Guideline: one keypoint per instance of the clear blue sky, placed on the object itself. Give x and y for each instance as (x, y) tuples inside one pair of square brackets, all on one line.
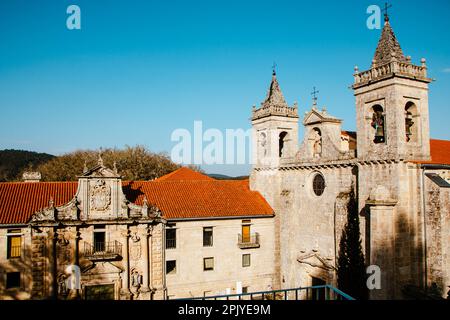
[(137, 70)]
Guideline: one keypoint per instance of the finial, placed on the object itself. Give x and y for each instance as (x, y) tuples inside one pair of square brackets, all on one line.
[(295, 105), (274, 71), (423, 61), (100, 160), (356, 69), (386, 7), (85, 168), (145, 201), (324, 109), (314, 96), (115, 167)]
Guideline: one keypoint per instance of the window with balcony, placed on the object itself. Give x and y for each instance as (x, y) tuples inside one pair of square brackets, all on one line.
[(14, 244), (171, 266), (12, 280), (208, 264), (207, 237), (99, 240), (171, 238), (245, 233), (100, 249), (246, 239)]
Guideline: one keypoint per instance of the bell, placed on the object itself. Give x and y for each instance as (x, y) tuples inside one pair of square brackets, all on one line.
[(380, 132), (408, 125)]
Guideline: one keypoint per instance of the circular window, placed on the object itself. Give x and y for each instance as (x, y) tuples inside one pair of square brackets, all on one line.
[(318, 185)]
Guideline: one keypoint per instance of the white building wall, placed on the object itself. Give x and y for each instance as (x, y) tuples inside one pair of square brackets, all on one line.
[(190, 280)]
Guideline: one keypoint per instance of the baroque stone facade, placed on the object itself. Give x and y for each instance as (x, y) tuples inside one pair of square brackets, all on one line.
[(111, 247)]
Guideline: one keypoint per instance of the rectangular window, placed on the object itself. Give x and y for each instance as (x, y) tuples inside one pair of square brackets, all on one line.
[(99, 241), (171, 267), (207, 237), (171, 238), (208, 264), (14, 244), (246, 260), (244, 289), (245, 233), (12, 280)]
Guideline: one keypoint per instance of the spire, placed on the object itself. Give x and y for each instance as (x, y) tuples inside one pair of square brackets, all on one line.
[(274, 95), (388, 48), (274, 103)]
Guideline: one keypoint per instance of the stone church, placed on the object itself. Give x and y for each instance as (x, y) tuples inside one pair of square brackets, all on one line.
[(399, 175)]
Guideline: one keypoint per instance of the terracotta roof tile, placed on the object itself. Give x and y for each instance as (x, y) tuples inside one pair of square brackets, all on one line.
[(440, 152), (183, 194), (199, 199), (19, 200), (184, 174)]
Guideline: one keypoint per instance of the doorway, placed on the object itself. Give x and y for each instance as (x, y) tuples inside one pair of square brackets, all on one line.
[(99, 292), (318, 293)]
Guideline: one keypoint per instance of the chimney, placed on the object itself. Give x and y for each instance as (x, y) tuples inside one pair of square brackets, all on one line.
[(30, 176)]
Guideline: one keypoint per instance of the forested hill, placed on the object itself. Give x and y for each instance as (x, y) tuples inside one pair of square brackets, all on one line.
[(14, 162)]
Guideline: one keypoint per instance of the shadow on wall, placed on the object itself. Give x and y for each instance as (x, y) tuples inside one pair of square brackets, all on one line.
[(16, 276), (405, 258)]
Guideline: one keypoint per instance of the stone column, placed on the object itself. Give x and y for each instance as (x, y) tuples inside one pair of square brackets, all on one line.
[(158, 263), (145, 291), (382, 241), (125, 293)]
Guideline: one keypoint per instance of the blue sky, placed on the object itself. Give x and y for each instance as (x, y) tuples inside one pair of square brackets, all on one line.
[(137, 70)]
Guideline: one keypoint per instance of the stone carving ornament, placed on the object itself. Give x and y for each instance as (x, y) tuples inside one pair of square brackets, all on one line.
[(100, 195)]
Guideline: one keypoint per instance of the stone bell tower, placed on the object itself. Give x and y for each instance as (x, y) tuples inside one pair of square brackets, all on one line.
[(275, 128), (392, 104)]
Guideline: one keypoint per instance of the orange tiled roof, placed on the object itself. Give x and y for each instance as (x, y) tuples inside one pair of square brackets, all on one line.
[(182, 194), (184, 174), (440, 152), (19, 200), (351, 134), (199, 199)]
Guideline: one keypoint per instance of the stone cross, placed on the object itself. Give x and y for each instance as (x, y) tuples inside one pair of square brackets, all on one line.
[(314, 95), (386, 7)]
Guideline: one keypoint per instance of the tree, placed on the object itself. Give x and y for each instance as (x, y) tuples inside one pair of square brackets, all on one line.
[(133, 163), (351, 266), (14, 162)]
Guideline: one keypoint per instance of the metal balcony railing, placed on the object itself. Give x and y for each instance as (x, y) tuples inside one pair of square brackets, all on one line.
[(103, 250), (249, 241), (322, 292)]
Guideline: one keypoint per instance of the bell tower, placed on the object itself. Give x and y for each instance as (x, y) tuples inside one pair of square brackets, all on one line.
[(275, 128), (392, 104)]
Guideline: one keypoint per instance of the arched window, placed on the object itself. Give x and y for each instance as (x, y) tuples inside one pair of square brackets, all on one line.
[(263, 143), (378, 123), (315, 141), (281, 141), (411, 122)]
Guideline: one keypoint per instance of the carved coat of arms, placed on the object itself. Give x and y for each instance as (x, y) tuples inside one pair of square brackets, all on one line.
[(100, 196)]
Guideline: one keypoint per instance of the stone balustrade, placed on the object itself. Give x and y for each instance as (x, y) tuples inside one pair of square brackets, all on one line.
[(265, 111), (393, 67)]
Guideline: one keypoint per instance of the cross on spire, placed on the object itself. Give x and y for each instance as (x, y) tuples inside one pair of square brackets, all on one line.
[(274, 66), (385, 9), (314, 95)]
